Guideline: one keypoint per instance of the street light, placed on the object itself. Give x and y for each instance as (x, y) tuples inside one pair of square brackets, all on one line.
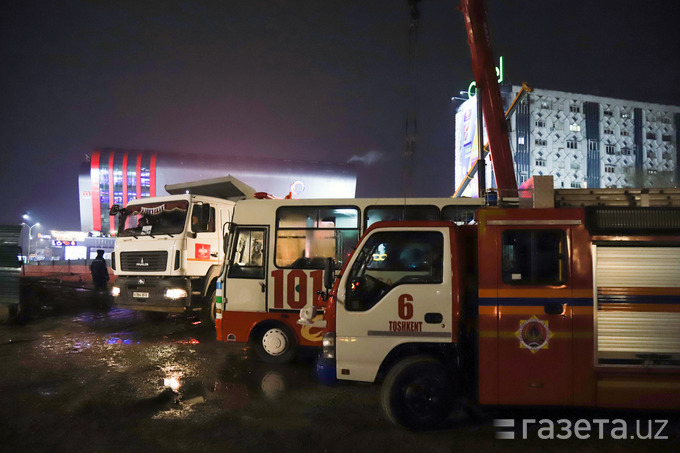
[(462, 93), (30, 232)]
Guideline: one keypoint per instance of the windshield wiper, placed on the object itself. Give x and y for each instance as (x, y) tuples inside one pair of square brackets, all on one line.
[(128, 232), (132, 232)]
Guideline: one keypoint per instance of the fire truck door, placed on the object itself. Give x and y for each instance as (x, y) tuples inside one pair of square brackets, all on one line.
[(245, 288), (395, 292), (534, 316)]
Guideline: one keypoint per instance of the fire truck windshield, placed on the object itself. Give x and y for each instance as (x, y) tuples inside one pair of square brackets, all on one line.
[(148, 219)]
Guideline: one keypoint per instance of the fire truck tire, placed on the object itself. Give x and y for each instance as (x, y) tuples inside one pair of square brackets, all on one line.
[(275, 344), (417, 393), (208, 310)]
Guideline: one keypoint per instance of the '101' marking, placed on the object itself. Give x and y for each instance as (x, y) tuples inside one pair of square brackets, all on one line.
[(296, 288)]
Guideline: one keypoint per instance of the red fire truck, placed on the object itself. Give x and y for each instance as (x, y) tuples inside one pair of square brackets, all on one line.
[(553, 306), (573, 301)]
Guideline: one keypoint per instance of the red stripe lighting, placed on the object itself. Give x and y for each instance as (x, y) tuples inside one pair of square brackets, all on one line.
[(139, 175), (111, 190), (94, 177), (152, 176), (125, 179)]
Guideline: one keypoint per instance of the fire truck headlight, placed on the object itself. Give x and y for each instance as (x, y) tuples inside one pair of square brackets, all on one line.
[(115, 291), (329, 345), (175, 293)]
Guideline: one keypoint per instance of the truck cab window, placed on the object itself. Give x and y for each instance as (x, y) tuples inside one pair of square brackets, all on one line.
[(202, 218), (391, 259), (534, 257)]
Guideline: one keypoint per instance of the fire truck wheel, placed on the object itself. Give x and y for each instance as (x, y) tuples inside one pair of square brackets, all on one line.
[(417, 393), (275, 344), (208, 310)]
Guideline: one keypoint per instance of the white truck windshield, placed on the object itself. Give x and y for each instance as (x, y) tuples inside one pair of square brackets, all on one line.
[(148, 219)]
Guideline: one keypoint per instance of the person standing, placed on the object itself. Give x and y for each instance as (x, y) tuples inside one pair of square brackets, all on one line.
[(100, 272)]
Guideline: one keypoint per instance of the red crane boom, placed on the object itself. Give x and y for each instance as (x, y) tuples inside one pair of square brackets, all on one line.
[(492, 106)]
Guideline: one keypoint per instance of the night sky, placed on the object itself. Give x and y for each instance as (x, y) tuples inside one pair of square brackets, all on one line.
[(311, 80)]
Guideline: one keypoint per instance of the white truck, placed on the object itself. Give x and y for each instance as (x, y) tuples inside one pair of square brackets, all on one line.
[(169, 249)]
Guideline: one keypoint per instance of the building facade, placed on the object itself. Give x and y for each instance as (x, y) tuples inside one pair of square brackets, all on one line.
[(117, 176), (587, 141)]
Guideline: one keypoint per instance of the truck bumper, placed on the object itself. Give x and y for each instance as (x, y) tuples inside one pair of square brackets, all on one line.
[(153, 294)]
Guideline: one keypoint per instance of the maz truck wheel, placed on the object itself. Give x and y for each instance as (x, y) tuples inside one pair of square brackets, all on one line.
[(418, 393), (276, 344), (208, 310)]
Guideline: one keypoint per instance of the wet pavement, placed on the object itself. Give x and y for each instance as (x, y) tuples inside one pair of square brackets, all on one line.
[(79, 379)]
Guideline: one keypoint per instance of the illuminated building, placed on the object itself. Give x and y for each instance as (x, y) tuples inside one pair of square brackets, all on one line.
[(117, 176), (583, 141)]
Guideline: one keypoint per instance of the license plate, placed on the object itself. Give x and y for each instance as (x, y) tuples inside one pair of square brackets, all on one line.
[(141, 295)]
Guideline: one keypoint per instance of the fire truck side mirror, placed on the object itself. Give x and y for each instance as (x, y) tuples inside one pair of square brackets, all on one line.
[(329, 273), (115, 209)]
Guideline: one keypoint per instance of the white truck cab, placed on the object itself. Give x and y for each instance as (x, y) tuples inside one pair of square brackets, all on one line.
[(169, 250)]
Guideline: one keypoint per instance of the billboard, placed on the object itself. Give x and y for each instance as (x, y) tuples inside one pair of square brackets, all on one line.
[(467, 147)]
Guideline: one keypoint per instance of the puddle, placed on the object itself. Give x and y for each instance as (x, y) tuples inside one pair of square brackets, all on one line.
[(235, 396), (172, 382), (79, 347), (189, 341), (273, 385), (118, 340)]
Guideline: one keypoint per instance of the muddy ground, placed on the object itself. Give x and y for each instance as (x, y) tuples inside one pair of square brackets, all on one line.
[(77, 379)]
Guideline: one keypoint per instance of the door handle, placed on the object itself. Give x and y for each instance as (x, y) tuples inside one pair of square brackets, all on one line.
[(263, 287), (433, 318), (553, 309)]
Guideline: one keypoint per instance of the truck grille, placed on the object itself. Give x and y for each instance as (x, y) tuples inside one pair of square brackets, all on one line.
[(143, 261)]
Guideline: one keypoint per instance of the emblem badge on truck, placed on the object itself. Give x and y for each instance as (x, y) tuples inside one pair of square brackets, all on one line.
[(533, 334), (142, 263)]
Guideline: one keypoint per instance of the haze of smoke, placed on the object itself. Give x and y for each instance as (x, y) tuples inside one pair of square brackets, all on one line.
[(367, 159)]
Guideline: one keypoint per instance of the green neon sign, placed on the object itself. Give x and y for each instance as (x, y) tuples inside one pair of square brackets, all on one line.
[(473, 84)]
